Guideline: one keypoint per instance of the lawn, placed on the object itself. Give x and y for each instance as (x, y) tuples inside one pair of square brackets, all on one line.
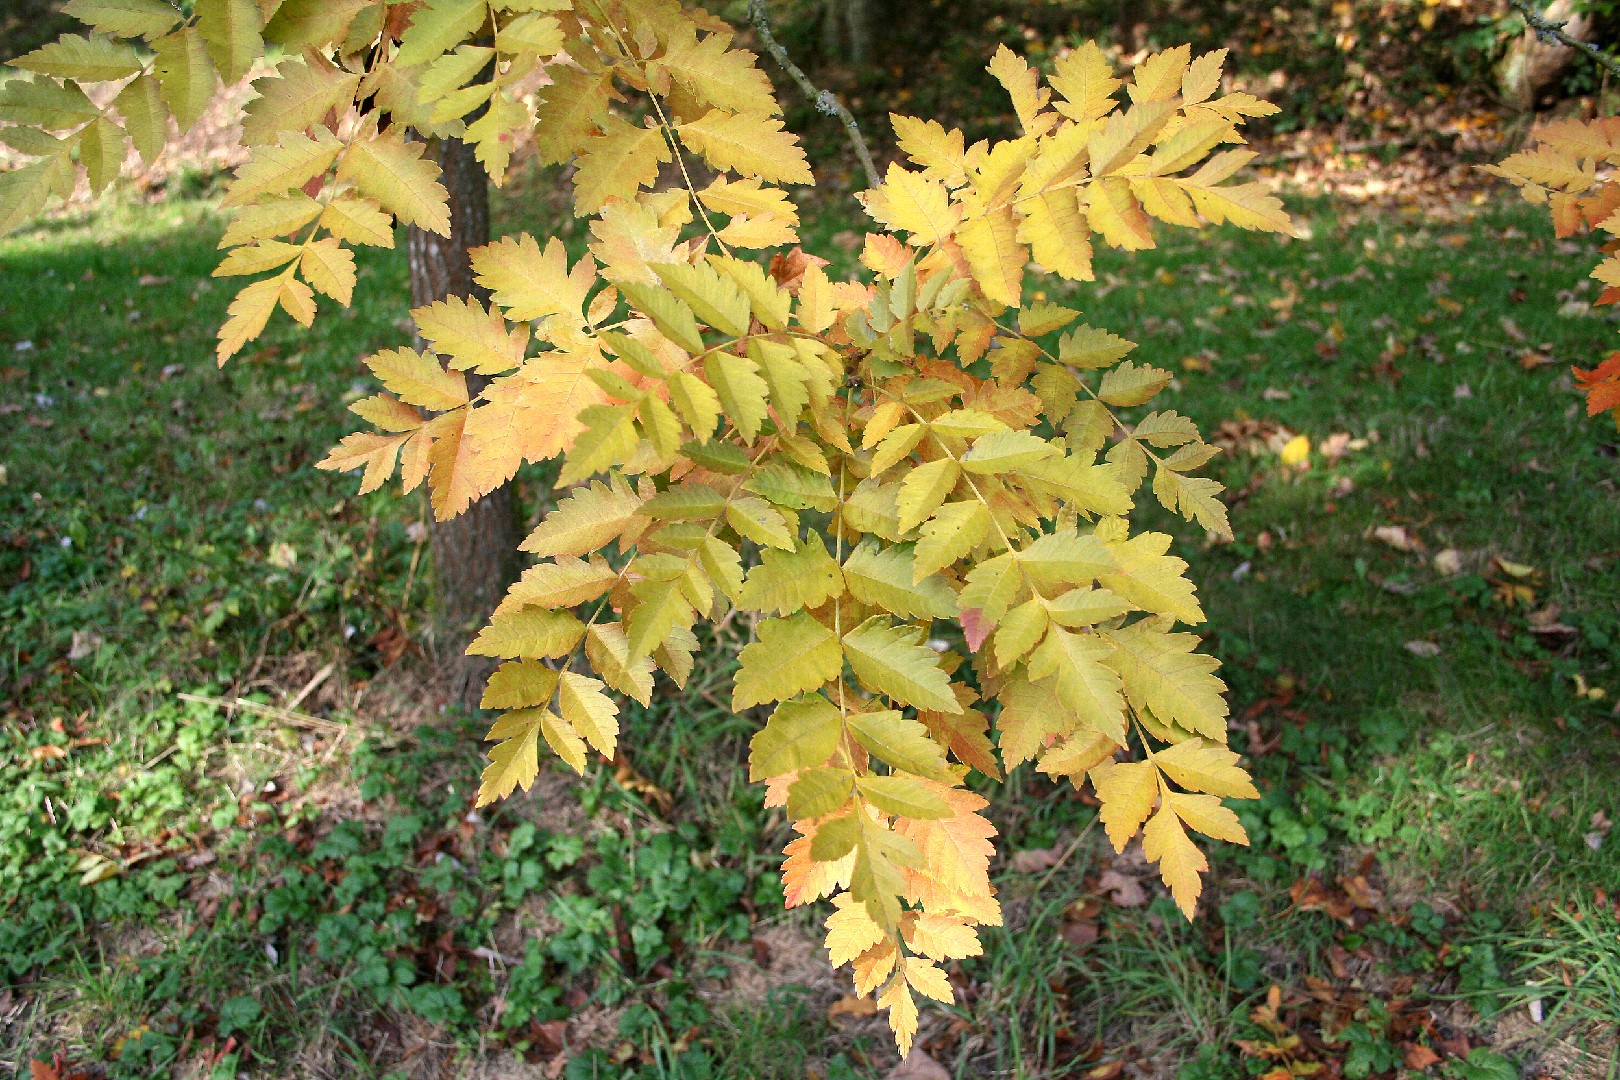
[(237, 834)]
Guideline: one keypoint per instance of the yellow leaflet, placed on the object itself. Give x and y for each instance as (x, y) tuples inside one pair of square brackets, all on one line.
[(146, 118), (274, 170), (519, 684), (564, 583), (752, 144), (617, 163), (394, 172), (1023, 86), (532, 633), (376, 453), (475, 338), (125, 18), (297, 96), (716, 75), (533, 284), (995, 255), (914, 203), (939, 151), (589, 711), (329, 266), (892, 660), (355, 219), (84, 58), (609, 653), (514, 761), (1127, 791), (1165, 842), (1088, 688), (418, 378)]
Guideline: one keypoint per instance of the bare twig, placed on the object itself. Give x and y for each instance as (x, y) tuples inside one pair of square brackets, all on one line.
[(825, 101), (1553, 33), (310, 687), (286, 716)]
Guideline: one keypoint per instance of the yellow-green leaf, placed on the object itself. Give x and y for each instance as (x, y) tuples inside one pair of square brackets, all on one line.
[(187, 75), (1164, 673), (290, 163), (792, 656), (515, 760), (394, 172), (329, 266), (609, 653), (892, 660), (818, 792), (752, 144), (589, 711), (1151, 579), (1129, 384), (233, 31), (955, 530), (788, 581), (743, 393), (296, 97), (529, 633), (899, 742), (884, 576), (439, 26), (519, 684), (924, 489), (534, 284), (587, 520), (1088, 688), (125, 18), (474, 337), (903, 796), (418, 378), (82, 57), (355, 219), (800, 734), (618, 163)]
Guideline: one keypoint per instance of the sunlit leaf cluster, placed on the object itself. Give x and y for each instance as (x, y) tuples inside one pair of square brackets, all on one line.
[(1570, 170), (914, 485)]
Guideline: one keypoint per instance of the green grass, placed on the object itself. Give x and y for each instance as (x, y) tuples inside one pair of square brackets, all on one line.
[(303, 893)]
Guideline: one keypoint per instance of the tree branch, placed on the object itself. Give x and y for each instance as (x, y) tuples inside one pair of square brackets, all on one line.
[(1553, 33), (825, 101)]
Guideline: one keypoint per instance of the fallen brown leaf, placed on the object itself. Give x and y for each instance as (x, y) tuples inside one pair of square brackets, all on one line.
[(1034, 860), (1419, 1057), (919, 1066), (850, 1005), (1123, 890)]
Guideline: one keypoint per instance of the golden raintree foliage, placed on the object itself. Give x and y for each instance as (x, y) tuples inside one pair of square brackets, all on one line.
[(1570, 171), (857, 467)]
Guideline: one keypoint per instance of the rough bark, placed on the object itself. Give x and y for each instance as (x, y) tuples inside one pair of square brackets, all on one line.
[(475, 555)]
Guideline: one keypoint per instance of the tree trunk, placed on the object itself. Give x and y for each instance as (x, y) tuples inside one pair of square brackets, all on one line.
[(475, 556)]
